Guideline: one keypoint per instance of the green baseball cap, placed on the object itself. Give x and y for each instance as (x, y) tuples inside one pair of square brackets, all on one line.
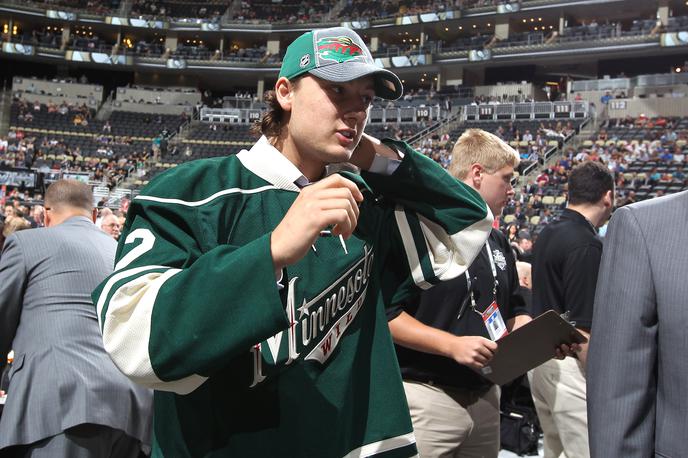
[(338, 54)]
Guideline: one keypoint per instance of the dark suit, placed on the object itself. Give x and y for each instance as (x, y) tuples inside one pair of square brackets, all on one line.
[(61, 376), (637, 365)]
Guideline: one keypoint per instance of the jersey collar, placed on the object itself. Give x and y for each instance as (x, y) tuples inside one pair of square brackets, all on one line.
[(267, 162)]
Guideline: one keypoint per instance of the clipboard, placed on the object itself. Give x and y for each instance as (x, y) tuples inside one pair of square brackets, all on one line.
[(529, 346)]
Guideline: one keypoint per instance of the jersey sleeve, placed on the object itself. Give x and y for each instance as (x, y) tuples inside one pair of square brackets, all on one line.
[(173, 293), (437, 224)]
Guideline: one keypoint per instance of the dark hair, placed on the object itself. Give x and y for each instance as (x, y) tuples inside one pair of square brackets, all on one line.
[(272, 121), (69, 193), (589, 182)]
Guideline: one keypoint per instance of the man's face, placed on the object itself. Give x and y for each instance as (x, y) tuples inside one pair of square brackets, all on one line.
[(111, 226), (327, 119), (496, 188), (9, 211), (525, 244)]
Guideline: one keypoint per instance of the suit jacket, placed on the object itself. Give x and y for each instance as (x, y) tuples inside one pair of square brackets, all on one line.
[(61, 375), (637, 366)]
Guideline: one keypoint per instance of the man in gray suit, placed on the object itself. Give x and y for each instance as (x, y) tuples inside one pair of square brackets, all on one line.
[(65, 398), (637, 367)]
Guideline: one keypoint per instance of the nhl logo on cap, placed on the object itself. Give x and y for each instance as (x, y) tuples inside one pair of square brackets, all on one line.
[(305, 61)]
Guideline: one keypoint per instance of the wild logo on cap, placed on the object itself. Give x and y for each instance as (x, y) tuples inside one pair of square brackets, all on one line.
[(339, 55), (339, 49)]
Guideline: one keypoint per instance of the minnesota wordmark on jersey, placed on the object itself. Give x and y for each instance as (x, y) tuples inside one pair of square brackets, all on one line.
[(317, 325)]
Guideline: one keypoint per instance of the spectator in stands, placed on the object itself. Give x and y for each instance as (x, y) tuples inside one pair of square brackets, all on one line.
[(606, 98), (110, 224), (566, 260), (537, 203), (9, 211), (441, 334), (226, 241), (519, 214), (14, 224), (512, 233), (524, 246), (65, 397), (38, 216), (546, 217)]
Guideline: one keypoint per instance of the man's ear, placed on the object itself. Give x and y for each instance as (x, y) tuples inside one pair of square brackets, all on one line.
[(609, 199), (94, 214), (284, 90), (475, 173)]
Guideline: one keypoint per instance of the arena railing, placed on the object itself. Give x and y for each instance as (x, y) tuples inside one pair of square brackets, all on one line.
[(533, 110), (378, 115)]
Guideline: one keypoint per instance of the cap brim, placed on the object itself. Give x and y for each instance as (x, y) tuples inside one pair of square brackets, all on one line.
[(387, 85)]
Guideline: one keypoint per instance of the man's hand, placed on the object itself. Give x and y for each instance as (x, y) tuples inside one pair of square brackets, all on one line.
[(563, 350), (472, 351), (367, 149), (331, 202)]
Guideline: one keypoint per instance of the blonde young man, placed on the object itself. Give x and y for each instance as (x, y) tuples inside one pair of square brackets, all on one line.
[(249, 290), (447, 331)]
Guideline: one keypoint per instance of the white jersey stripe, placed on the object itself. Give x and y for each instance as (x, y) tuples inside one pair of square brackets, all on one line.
[(410, 248), (382, 446), (127, 329), (450, 254), (198, 203)]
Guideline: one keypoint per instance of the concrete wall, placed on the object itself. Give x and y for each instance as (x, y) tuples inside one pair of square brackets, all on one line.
[(58, 88), (167, 96), (653, 106)]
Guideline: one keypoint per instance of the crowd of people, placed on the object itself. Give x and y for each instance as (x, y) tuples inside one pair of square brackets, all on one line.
[(518, 243), (24, 209)]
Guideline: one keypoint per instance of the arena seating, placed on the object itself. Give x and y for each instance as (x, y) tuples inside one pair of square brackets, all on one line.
[(179, 9), (286, 11)]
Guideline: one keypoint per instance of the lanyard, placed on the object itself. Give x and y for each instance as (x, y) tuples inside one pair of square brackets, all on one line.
[(469, 283)]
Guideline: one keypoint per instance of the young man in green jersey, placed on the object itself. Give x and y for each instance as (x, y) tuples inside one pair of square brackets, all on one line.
[(249, 290)]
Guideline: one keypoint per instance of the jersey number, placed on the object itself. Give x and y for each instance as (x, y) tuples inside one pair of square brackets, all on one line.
[(147, 240)]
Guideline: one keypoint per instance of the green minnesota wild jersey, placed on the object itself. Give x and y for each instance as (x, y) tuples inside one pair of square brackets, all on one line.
[(246, 367)]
